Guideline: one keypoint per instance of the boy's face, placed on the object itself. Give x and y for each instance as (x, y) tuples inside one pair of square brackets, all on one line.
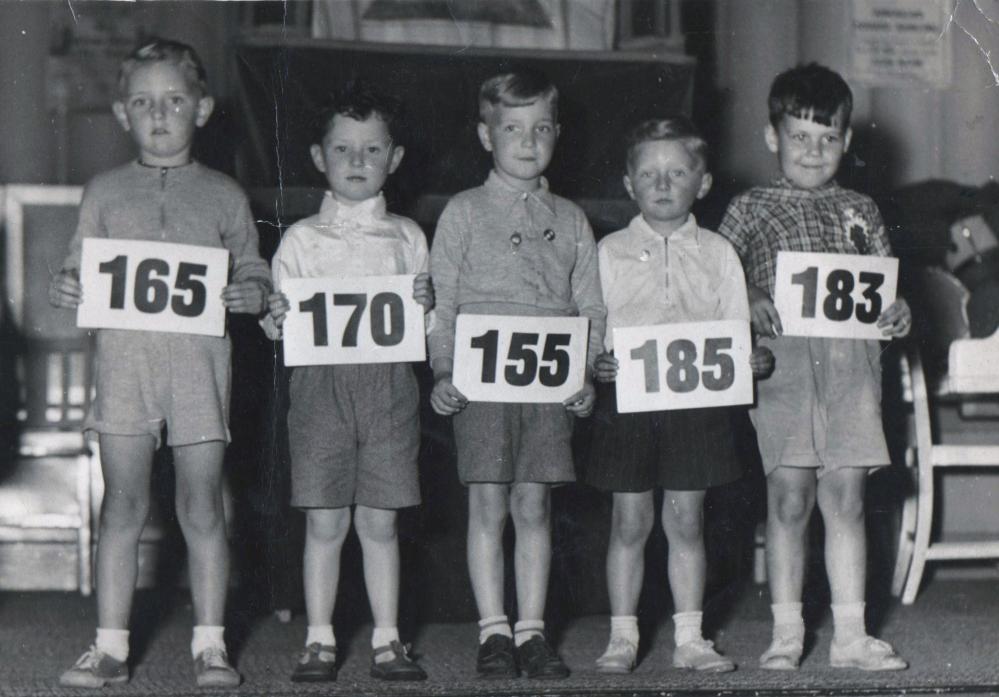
[(665, 178), (161, 109), (356, 157), (809, 152), (522, 140)]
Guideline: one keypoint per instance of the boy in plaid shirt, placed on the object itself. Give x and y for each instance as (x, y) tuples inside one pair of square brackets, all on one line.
[(818, 417)]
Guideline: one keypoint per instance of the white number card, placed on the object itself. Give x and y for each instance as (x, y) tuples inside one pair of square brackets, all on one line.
[(366, 319), (834, 295), (152, 286), (519, 359), (687, 365)]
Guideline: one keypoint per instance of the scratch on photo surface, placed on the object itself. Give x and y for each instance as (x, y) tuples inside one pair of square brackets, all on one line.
[(986, 52), (72, 11)]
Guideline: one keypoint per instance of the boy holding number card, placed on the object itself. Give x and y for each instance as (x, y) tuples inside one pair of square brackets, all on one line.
[(148, 380), (818, 417), (511, 247), (354, 430), (662, 269)]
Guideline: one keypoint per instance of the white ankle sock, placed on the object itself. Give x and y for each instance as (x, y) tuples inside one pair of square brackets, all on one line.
[(497, 624), (687, 627), (525, 629), (788, 622), (113, 642), (848, 622), (320, 634), (624, 626), (206, 636), (383, 636)]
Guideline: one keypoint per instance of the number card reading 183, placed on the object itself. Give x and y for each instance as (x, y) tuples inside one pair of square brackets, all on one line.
[(365, 319), (519, 359), (152, 286), (834, 295), (687, 365)]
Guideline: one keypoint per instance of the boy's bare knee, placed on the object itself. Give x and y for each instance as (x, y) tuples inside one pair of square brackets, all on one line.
[(793, 508), (682, 525), (631, 527), (531, 511), (327, 526), (842, 506), (200, 514), (487, 510), (124, 511), (378, 527)]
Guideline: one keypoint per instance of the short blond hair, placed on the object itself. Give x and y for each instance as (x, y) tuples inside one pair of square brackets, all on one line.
[(517, 88), (165, 51)]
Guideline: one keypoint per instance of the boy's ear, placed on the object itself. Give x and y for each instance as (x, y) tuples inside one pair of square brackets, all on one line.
[(629, 187), (847, 137), (397, 154), (706, 181), (484, 138), (118, 108), (206, 105), (770, 136), (318, 160)]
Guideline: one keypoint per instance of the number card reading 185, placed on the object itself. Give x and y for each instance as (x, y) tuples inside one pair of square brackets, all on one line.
[(365, 319), (152, 286), (834, 295), (519, 359), (687, 365)]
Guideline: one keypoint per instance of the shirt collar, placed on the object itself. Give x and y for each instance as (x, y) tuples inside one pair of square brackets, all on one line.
[(499, 188), (782, 182), (367, 211), (686, 233)]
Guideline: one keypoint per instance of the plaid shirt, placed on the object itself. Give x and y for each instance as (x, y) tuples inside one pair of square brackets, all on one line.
[(767, 219)]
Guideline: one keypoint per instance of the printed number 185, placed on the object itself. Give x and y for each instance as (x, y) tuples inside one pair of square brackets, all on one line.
[(683, 374)]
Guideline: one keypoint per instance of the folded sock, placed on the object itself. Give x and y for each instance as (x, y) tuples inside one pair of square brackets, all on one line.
[(207, 636), (625, 626), (113, 642), (687, 627), (497, 624), (383, 636), (848, 622), (525, 629), (320, 634), (788, 622)]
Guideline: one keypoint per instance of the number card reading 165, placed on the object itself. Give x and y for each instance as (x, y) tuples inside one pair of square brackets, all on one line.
[(687, 365), (834, 295), (519, 359), (152, 286), (365, 319)]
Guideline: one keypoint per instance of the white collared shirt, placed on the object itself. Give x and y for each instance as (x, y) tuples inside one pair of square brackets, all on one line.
[(693, 275)]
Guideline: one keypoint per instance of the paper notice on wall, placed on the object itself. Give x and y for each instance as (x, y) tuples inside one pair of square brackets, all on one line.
[(897, 43)]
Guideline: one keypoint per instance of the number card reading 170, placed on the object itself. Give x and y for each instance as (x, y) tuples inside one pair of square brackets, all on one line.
[(687, 365), (834, 295), (152, 286), (519, 359), (365, 319)]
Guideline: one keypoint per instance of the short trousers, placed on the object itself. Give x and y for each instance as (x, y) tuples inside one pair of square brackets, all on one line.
[(821, 407), (680, 450), (514, 443), (148, 380), (354, 433)]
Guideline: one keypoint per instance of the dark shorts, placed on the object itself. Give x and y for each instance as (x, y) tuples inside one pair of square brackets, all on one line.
[(683, 450), (354, 434), (514, 443)]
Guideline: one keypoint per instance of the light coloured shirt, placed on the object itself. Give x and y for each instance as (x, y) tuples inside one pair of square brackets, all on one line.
[(691, 276), (498, 250), (348, 241)]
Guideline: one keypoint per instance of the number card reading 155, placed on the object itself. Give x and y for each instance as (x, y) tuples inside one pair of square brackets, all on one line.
[(687, 365), (834, 295), (152, 286), (519, 359), (365, 319)]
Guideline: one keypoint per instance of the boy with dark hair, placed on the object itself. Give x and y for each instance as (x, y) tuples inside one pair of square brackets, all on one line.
[(818, 417), (511, 247), (147, 380), (354, 430)]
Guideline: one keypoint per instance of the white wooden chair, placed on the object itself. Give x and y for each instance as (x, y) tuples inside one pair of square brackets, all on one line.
[(972, 370)]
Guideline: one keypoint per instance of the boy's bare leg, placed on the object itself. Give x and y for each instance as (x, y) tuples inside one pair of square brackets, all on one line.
[(790, 500), (376, 527), (202, 520), (841, 501), (325, 531), (530, 508), (488, 508), (631, 523), (683, 523), (127, 463)]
